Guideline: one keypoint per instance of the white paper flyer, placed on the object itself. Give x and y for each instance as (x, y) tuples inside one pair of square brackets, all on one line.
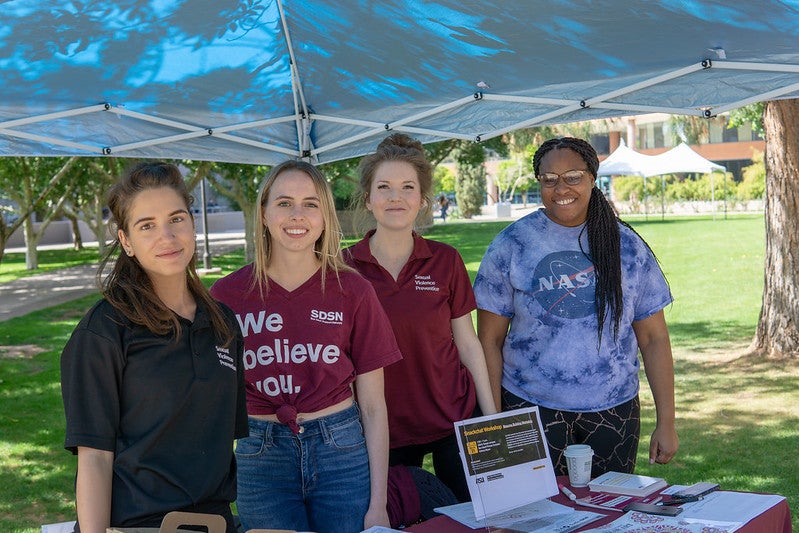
[(506, 461)]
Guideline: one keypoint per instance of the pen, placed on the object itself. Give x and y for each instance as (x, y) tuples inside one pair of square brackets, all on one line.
[(680, 501), (572, 496)]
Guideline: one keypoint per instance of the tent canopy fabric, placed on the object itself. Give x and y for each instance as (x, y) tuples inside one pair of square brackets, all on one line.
[(682, 158), (624, 161), (260, 81)]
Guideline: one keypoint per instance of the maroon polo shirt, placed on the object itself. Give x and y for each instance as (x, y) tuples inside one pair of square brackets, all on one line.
[(430, 388)]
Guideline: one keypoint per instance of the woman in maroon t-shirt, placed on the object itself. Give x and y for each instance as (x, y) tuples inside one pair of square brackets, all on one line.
[(314, 332), (427, 294)]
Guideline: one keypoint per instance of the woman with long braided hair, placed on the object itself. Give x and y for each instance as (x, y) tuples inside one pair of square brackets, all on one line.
[(566, 297)]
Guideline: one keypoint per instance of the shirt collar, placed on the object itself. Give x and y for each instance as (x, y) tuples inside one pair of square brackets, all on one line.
[(361, 252)]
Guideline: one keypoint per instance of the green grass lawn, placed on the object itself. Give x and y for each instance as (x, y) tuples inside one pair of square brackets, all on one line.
[(737, 417), (13, 265)]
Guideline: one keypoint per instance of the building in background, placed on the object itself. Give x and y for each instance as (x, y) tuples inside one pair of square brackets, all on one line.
[(654, 134)]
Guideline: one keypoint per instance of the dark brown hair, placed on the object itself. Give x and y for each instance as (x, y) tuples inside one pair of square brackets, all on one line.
[(128, 287)]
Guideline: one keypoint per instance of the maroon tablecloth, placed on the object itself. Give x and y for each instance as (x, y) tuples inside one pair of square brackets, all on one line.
[(777, 519)]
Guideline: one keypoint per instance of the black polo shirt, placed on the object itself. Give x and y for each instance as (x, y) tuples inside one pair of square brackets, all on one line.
[(169, 411)]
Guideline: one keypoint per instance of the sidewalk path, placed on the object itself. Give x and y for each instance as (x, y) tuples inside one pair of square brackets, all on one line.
[(32, 293)]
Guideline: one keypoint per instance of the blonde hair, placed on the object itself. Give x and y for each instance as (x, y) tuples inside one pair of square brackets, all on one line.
[(327, 246)]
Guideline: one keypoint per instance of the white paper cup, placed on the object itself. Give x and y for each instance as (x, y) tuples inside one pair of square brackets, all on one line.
[(579, 458)]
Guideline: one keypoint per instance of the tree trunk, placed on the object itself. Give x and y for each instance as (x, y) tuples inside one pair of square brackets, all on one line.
[(31, 242), (77, 240), (777, 333), (248, 210)]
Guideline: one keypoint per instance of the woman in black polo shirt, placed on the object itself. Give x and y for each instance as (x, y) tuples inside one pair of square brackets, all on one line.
[(152, 378)]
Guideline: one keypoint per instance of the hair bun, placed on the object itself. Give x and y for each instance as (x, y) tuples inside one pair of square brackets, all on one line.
[(400, 140)]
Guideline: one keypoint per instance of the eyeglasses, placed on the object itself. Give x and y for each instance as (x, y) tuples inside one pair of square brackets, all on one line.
[(571, 177)]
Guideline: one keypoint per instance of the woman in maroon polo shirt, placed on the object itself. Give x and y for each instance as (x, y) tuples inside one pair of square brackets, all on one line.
[(427, 294)]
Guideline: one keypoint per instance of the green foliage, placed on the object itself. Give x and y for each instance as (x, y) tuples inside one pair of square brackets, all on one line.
[(343, 179), (701, 188), (753, 184), (750, 114), (514, 175), (443, 179), (689, 129), (628, 188), (470, 184), (345, 189)]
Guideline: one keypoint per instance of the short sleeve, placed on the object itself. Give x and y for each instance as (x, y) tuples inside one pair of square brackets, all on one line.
[(91, 374), (462, 300), (492, 285)]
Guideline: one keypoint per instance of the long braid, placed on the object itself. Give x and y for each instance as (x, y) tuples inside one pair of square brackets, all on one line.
[(604, 250), (604, 240)]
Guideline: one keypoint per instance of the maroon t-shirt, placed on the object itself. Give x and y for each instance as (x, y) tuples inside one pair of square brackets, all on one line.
[(430, 388), (304, 348)]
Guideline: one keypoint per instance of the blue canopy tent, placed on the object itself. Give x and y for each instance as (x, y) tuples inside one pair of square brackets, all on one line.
[(265, 80)]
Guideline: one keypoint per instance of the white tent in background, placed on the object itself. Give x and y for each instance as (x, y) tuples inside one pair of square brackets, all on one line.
[(682, 158), (624, 161)]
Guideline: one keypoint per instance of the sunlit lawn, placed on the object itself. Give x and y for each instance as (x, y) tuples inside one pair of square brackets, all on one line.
[(737, 417)]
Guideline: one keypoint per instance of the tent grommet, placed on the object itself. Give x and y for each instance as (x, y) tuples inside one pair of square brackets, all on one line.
[(106, 150)]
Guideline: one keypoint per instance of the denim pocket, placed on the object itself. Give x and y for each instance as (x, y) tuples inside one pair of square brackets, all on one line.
[(253, 445), (346, 435)]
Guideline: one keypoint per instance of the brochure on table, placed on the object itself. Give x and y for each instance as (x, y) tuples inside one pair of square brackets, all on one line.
[(720, 511), (506, 460), (544, 516)]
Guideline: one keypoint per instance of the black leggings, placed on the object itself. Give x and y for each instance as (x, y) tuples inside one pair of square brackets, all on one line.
[(446, 462), (612, 434)]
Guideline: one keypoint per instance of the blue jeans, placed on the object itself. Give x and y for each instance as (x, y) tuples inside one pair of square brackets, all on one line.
[(317, 480)]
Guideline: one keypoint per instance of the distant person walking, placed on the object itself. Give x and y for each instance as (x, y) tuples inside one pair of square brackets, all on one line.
[(443, 203)]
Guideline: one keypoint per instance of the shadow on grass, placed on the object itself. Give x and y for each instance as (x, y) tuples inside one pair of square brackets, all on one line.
[(37, 473), (730, 448), (709, 335)]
